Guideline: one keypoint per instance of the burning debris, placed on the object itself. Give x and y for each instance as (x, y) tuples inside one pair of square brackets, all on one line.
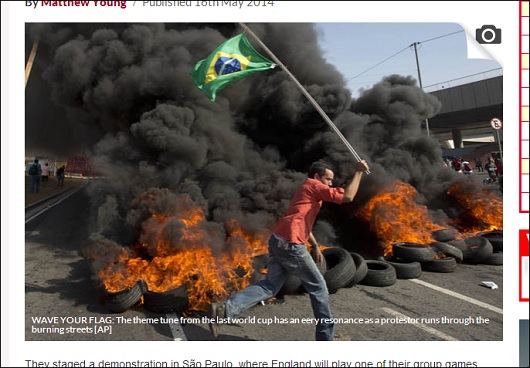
[(191, 188), (175, 248), (480, 210), (395, 216)]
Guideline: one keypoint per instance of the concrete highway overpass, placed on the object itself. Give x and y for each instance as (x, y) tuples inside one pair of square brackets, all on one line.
[(467, 111)]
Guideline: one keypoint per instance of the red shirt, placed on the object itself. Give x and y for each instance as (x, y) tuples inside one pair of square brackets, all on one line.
[(296, 224)]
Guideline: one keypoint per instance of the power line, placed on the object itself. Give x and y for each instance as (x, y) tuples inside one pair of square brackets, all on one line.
[(435, 38), (399, 52), (466, 76), (388, 58)]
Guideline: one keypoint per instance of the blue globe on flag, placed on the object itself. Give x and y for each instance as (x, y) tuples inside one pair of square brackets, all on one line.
[(231, 61), (225, 65)]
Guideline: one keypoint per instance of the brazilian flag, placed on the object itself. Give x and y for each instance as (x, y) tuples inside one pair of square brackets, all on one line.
[(233, 60)]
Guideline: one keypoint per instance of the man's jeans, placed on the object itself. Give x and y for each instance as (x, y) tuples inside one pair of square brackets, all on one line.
[(285, 258), (34, 183)]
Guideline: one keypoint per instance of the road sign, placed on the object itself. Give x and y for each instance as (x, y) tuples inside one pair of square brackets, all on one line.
[(496, 123)]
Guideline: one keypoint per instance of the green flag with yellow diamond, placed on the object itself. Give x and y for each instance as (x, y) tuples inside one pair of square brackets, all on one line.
[(233, 60)]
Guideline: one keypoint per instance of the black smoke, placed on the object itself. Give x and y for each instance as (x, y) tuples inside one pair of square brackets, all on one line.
[(122, 94)]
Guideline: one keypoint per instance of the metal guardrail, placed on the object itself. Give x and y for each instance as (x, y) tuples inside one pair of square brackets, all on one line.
[(36, 209)]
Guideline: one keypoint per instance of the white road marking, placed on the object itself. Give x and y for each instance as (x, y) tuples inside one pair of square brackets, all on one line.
[(421, 326), (459, 296), (64, 195), (176, 328)]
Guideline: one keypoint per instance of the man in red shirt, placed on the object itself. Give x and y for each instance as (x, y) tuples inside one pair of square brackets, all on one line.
[(288, 252)]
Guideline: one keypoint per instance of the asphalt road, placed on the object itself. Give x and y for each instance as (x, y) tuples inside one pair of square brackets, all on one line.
[(63, 302)]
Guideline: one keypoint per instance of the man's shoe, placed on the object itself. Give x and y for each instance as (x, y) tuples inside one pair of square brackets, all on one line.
[(215, 311), (341, 337)]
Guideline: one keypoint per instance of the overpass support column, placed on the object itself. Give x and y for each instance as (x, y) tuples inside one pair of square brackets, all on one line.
[(457, 138)]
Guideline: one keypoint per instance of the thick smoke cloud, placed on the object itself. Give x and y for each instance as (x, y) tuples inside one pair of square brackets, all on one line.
[(122, 94)]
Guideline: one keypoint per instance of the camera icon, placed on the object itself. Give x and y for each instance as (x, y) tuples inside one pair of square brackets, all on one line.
[(488, 34)]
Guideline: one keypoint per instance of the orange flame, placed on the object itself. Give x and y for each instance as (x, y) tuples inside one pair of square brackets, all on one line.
[(394, 216), (483, 210), (207, 275)]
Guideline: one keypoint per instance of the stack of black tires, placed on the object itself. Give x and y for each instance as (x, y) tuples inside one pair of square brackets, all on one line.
[(175, 300), (409, 259), (342, 268)]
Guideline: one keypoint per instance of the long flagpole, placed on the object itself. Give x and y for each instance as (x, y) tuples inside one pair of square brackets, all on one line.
[(31, 58), (307, 94)]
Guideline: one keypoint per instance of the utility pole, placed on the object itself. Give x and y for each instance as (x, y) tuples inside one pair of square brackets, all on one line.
[(415, 44)]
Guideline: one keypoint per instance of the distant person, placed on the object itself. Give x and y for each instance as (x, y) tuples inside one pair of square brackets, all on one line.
[(466, 168), (456, 164), (60, 176), (45, 173), (34, 172), (498, 165), (499, 172), (453, 163), (478, 165), (491, 169)]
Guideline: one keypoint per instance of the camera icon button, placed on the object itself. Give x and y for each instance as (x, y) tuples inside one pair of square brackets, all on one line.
[(488, 34)]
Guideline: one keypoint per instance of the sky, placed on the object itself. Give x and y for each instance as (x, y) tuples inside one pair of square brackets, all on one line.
[(366, 52)]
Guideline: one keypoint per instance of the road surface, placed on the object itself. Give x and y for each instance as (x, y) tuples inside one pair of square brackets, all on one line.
[(64, 302)]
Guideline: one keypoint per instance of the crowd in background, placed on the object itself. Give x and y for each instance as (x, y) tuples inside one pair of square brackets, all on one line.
[(493, 167), (40, 174)]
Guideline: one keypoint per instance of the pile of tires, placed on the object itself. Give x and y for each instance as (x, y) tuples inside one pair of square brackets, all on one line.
[(171, 301), (435, 257), (410, 251), (347, 269), (447, 252), (413, 258), (175, 300), (444, 235), (342, 268), (479, 250), (496, 239), (380, 273), (339, 268), (118, 302), (361, 269), (405, 269), (483, 248)]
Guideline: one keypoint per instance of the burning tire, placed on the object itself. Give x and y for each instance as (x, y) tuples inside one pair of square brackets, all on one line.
[(460, 244), (122, 300), (379, 274), (448, 250), (478, 249), (443, 265), (175, 300), (361, 269), (404, 269), (495, 259), (413, 252), (444, 235), (340, 269), (495, 238)]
